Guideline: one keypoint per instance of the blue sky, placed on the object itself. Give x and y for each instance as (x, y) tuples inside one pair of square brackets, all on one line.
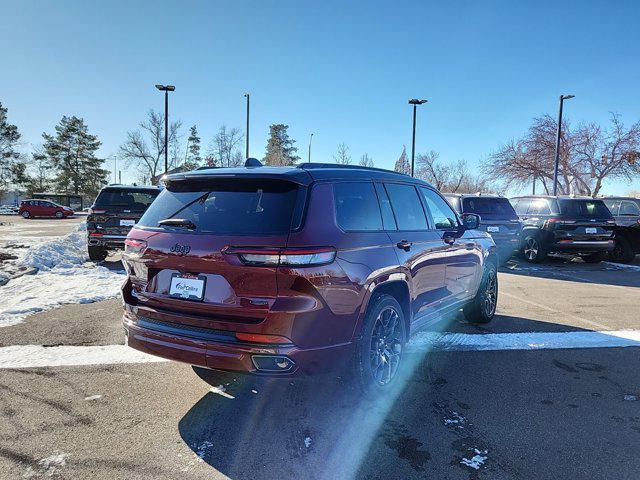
[(340, 69)]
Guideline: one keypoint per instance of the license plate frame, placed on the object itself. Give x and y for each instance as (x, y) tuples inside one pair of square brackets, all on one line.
[(190, 283)]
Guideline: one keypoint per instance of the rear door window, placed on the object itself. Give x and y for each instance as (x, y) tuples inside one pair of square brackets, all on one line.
[(388, 220), (407, 208), (357, 206), (613, 206), (630, 209), (229, 207), (442, 215), (521, 205)]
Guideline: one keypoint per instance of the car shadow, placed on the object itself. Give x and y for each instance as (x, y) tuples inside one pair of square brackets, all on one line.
[(114, 263), (557, 268), (323, 427)]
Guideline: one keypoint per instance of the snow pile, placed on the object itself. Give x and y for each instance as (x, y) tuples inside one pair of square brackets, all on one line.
[(63, 276), (477, 460), (48, 467)]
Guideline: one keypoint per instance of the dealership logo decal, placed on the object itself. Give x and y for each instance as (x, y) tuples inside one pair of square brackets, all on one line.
[(180, 249)]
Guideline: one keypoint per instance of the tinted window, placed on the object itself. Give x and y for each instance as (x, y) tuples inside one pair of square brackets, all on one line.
[(227, 207), (388, 220), (629, 208), (521, 205), (539, 206), (131, 199), (357, 206), (612, 205), (442, 215), (406, 207), (488, 207), (583, 208)]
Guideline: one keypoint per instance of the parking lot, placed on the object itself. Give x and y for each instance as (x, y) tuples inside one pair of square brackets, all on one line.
[(552, 398)]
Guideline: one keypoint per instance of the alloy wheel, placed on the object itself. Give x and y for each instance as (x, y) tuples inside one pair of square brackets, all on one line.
[(490, 295), (531, 248), (386, 346)]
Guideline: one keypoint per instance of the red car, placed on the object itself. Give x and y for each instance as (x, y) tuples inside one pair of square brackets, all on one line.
[(43, 208), (296, 270)]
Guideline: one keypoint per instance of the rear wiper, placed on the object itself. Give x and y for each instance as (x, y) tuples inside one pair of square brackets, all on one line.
[(178, 223)]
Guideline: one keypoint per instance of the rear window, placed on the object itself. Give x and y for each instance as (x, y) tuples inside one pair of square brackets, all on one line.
[(131, 199), (584, 208), (489, 207), (227, 207)]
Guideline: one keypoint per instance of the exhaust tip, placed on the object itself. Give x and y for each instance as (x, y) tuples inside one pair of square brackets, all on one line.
[(272, 363)]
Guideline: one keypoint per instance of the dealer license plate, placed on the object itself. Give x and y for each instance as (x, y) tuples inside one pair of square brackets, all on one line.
[(591, 230), (493, 229), (127, 223), (188, 287)]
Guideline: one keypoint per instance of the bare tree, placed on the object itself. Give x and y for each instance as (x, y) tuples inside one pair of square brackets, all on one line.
[(144, 148), (451, 178), (366, 160), (588, 156), (342, 156), (224, 149)]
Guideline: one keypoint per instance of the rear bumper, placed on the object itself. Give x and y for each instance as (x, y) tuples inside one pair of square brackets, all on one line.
[(228, 354), (107, 241), (583, 246)]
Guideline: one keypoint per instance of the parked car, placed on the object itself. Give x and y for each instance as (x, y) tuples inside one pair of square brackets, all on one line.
[(9, 209), (626, 212), (43, 208), (116, 209), (296, 270), (497, 218), (577, 226)]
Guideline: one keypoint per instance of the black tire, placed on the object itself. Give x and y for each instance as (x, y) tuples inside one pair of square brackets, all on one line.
[(533, 249), (379, 348), (482, 308), (26, 214), (97, 254), (593, 258), (59, 215), (623, 251)]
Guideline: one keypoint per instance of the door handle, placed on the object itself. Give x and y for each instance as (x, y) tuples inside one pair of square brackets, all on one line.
[(404, 245)]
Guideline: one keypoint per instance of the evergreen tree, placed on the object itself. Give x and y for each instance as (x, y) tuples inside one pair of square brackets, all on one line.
[(71, 151), (402, 164), (9, 156), (280, 148), (193, 159)]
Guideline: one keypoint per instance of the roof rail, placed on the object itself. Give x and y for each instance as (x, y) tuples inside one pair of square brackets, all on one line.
[(313, 166)]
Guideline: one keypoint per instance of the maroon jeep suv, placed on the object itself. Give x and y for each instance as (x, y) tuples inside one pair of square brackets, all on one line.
[(296, 270)]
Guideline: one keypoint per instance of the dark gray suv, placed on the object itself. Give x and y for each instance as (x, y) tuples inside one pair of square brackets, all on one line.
[(626, 212)]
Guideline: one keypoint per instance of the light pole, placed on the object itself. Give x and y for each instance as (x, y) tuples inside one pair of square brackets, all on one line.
[(166, 89), (415, 102), (557, 162), (309, 157), (247, 139)]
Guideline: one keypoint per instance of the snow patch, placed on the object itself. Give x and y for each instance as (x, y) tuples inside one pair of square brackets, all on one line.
[(455, 420), (34, 356), (93, 397), (64, 276), (477, 460), (307, 442), (622, 266), (630, 398), (201, 449), (452, 342), (47, 467), (222, 391)]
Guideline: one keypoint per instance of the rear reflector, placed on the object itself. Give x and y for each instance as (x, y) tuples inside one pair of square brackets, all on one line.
[(285, 257), (96, 234), (260, 338)]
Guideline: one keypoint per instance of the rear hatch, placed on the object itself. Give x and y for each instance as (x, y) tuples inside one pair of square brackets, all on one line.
[(117, 209), (182, 256), (498, 218), (583, 220)]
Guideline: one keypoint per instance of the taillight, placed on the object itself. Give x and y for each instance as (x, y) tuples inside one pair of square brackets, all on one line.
[(134, 247), (93, 211), (553, 221), (284, 257)]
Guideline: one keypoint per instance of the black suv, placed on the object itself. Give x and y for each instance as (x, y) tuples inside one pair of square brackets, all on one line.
[(497, 218), (579, 226), (116, 209), (626, 211)]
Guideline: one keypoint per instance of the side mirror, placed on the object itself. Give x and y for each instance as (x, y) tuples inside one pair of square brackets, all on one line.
[(470, 221)]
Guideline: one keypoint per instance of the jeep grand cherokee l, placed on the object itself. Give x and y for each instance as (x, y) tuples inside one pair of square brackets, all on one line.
[(116, 209), (626, 212), (564, 225), (296, 270), (497, 218)]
